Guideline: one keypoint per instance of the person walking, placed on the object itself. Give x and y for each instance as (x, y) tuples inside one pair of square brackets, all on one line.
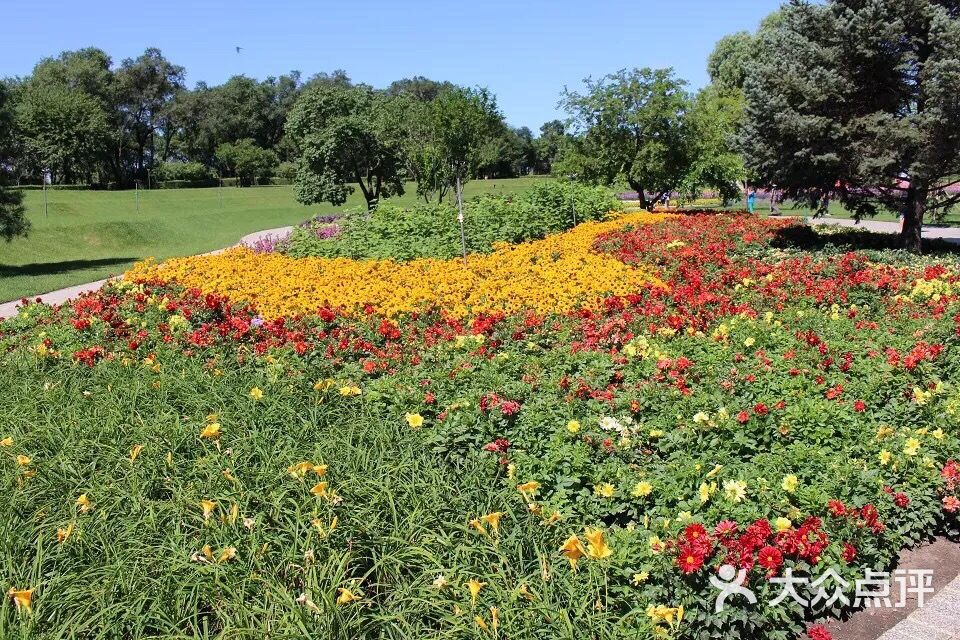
[(751, 200)]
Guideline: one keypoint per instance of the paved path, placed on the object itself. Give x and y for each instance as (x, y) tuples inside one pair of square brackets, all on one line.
[(951, 234), (8, 309)]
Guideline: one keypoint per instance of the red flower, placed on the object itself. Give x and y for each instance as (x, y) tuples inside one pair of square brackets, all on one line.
[(901, 499), (849, 552), (819, 632), (690, 559), (859, 406), (951, 504), (837, 508), (770, 558), (760, 409), (725, 528), (742, 417)]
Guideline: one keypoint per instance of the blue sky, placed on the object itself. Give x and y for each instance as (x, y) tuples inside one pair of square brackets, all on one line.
[(524, 51)]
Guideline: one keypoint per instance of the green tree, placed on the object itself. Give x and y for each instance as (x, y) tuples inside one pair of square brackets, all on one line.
[(464, 120), (857, 100), (245, 160), (631, 126), (715, 160), (729, 61), (61, 130), (346, 135), (146, 88), (553, 135), (13, 221)]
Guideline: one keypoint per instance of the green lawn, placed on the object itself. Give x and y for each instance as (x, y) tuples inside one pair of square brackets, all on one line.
[(89, 235)]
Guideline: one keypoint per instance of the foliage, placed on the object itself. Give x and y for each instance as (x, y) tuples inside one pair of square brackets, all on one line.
[(463, 121), (346, 135), (188, 171), (431, 231), (13, 222), (714, 120), (857, 101), (62, 131), (633, 126), (544, 474), (246, 160)]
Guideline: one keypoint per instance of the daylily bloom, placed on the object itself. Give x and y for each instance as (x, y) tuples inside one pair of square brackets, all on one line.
[(63, 534), (256, 393), (227, 554), (23, 460), (474, 586), (211, 431), (6, 442), (208, 506), (83, 502), (440, 581), (135, 452), (350, 391), (414, 420), (597, 547), (321, 489), (347, 596), (493, 519), (23, 599), (528, 488), (573, 550)]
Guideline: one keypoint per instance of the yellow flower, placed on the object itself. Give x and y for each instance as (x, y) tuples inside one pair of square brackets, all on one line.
[(783, 524), (256, 393), (415, 420), (572, 550), (324, 530), (440, 582), (749, 342), (350, 391), (706, 491), (673, 616), (528, 488), (597, 547), (642, 489), (208, 506), (790, 483), (6, 442), (480, 622), (493, 519), (22, 599), (735, 490), (347, 596), (227, 554), (323, 385), (937, 433), (211, 431), (655, 544), (83, 503), (604, 490), (135, 452), (494, 618), (63, 534), (573, 426), (920, 396), (883, 431), (911, 447), (23, 460), (885, 457), (525, 592), (474, 587), (321, 489), (640, 578), (717, 468)]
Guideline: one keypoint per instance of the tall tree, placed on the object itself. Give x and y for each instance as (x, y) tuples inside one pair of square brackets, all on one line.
[(346, 135), (632, 127), (464, 120), (63, 131), (146, 87), (13, 220), (857, 100), (552, 137)]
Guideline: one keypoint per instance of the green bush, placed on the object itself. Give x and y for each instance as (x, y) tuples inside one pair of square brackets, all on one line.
[(181, 172), (432, 230)]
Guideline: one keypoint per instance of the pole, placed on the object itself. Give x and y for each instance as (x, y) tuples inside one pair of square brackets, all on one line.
[(46, 210), (573, 207), (463, 236)]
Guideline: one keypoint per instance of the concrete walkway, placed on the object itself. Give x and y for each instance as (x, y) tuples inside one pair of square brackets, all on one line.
[(9, 309), (951, 234)]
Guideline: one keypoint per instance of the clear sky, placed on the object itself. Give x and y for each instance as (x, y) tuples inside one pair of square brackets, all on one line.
[(525, 51)]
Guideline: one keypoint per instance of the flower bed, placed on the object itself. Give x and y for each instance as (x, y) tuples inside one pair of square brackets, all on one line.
[(424, 468)]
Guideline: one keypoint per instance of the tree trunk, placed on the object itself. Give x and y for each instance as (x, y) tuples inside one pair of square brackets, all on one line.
[(913, 210), (641, 196)]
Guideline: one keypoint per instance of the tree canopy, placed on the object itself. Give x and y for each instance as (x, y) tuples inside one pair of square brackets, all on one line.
[(858, 101), (346, 136), (13, 221)]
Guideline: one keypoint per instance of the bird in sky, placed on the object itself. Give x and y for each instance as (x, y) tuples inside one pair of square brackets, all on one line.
[(239, 49)]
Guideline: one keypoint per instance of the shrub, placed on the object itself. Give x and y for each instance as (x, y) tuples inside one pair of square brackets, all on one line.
[(432, 230), (181, 171)]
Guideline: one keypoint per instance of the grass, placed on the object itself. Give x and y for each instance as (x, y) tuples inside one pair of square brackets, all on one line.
[(89, 235)]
